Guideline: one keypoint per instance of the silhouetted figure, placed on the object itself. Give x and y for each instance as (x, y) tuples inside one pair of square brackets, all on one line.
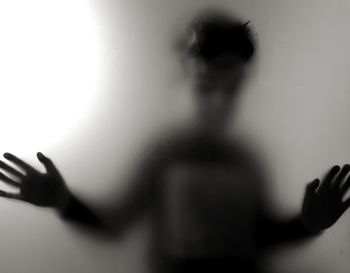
[(204, 190)]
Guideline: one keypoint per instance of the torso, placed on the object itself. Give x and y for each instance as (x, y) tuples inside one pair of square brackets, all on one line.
[(208, 201)]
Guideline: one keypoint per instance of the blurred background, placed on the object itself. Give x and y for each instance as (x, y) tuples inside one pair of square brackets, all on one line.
[(90, 83)]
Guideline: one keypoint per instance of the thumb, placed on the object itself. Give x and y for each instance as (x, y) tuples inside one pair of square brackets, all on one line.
[(312, 186), (47, 162)]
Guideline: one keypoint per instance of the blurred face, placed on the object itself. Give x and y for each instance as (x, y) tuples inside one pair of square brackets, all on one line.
[(216, 82)]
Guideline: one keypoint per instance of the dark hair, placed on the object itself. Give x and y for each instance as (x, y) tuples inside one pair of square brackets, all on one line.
[(217, 34)]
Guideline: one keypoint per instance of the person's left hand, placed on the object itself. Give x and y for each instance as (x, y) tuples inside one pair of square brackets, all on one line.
[(324, 201)]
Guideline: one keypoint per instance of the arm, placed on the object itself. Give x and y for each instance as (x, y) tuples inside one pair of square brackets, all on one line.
[(271, 231), (50, 190), (323, 205), (74, 210)]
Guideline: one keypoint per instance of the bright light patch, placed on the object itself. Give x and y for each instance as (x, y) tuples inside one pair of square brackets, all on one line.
[(50, 59)]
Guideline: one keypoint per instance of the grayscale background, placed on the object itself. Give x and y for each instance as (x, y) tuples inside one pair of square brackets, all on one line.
[(294, 111)]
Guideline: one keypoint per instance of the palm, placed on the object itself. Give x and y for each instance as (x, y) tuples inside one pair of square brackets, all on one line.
[(42, 189), (324, 202)]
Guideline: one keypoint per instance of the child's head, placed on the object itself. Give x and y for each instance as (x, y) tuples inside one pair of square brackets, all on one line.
[(218, 51), (213, 35)]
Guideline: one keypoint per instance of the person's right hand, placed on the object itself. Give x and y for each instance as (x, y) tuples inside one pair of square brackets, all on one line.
[(42, 189), (326, 201)]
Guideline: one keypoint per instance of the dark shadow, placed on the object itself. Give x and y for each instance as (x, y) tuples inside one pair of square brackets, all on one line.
[(204, 191)]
